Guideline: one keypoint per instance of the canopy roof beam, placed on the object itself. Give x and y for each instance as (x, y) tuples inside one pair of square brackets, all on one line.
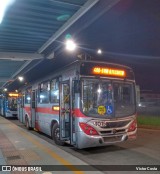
[(87, 6), (4, 79), (20, 56)]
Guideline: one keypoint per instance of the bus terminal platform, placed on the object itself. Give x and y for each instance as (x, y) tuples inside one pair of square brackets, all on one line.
[(19, 148)]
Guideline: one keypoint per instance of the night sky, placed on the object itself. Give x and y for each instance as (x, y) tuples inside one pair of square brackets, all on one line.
[(128, 34)]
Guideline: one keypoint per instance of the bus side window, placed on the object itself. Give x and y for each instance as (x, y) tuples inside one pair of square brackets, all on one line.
[(27, 97), (54, 91), (44, 92)]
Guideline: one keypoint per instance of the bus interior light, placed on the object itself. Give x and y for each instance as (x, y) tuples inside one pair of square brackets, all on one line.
[(99, 90)]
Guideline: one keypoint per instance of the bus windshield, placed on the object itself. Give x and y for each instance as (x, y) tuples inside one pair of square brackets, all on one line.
[(12, 103), (107, 98)]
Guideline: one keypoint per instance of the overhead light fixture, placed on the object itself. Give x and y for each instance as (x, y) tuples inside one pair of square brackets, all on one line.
[(99, 51), (20, 78), (70, 45), (3, 7), (5, 89)]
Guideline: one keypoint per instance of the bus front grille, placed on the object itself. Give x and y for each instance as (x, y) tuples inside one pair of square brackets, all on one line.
[(112, 139), (117, 124), (111, 131)]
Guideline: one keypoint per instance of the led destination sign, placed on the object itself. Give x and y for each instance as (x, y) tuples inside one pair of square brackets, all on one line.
[(13, 95), (108, 71)]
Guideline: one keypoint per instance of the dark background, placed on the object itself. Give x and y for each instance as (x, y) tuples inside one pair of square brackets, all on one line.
[(129, 34)]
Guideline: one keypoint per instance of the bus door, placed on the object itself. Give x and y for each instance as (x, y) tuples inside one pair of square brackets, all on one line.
[(33, 108), (65, 111), (4, 107), (1, 106)]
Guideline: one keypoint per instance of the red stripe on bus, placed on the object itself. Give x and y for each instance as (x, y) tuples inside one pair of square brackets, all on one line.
[(46, 110), (28, 110), (42, 110), (78, 113)]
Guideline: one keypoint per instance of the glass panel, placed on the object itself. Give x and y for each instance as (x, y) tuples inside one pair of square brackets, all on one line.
[(44, 92), (106, 98), (97, 98), (28, 96), (124, 100), (12, 103), (54, 91)]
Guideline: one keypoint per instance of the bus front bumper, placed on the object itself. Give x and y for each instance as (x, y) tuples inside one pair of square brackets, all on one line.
[(85, 141), (11, 114)]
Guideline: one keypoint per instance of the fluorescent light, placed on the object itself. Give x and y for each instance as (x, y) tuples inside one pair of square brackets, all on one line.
[(3, 7)]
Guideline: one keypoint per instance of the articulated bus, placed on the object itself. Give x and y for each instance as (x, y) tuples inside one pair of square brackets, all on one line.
[(8, 104), (86, 104)]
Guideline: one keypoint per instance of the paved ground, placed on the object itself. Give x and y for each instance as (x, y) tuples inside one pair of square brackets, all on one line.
[(144, 151), (20, 147)]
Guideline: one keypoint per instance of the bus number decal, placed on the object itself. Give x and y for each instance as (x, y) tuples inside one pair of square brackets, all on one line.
[(100, 123)]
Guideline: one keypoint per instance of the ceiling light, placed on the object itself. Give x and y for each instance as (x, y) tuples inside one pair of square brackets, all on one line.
[(5, 89), (3, 7), (70, 45), (20, 78), (99, 51)]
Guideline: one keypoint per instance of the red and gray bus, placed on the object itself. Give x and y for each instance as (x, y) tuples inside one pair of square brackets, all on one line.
[(86, 104)]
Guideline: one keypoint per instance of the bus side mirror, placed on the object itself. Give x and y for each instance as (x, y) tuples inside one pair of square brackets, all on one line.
[(76, 86)]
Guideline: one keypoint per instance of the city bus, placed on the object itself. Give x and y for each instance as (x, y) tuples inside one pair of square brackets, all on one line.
[(85, 104), (8, 104)]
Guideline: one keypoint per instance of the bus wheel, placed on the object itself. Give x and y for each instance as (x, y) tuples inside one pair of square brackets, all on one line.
[(55, 135), (27, 124)]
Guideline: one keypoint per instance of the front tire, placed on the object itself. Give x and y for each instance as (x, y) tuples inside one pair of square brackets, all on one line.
[(27, 124), (56, 135)]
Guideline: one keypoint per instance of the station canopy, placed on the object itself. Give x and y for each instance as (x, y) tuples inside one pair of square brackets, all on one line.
[(32, 34), (29, 29)]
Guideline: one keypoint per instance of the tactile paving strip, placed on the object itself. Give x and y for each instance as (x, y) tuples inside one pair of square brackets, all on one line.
[(11, 153), (12, 156), (30, 155), (6, 149)]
